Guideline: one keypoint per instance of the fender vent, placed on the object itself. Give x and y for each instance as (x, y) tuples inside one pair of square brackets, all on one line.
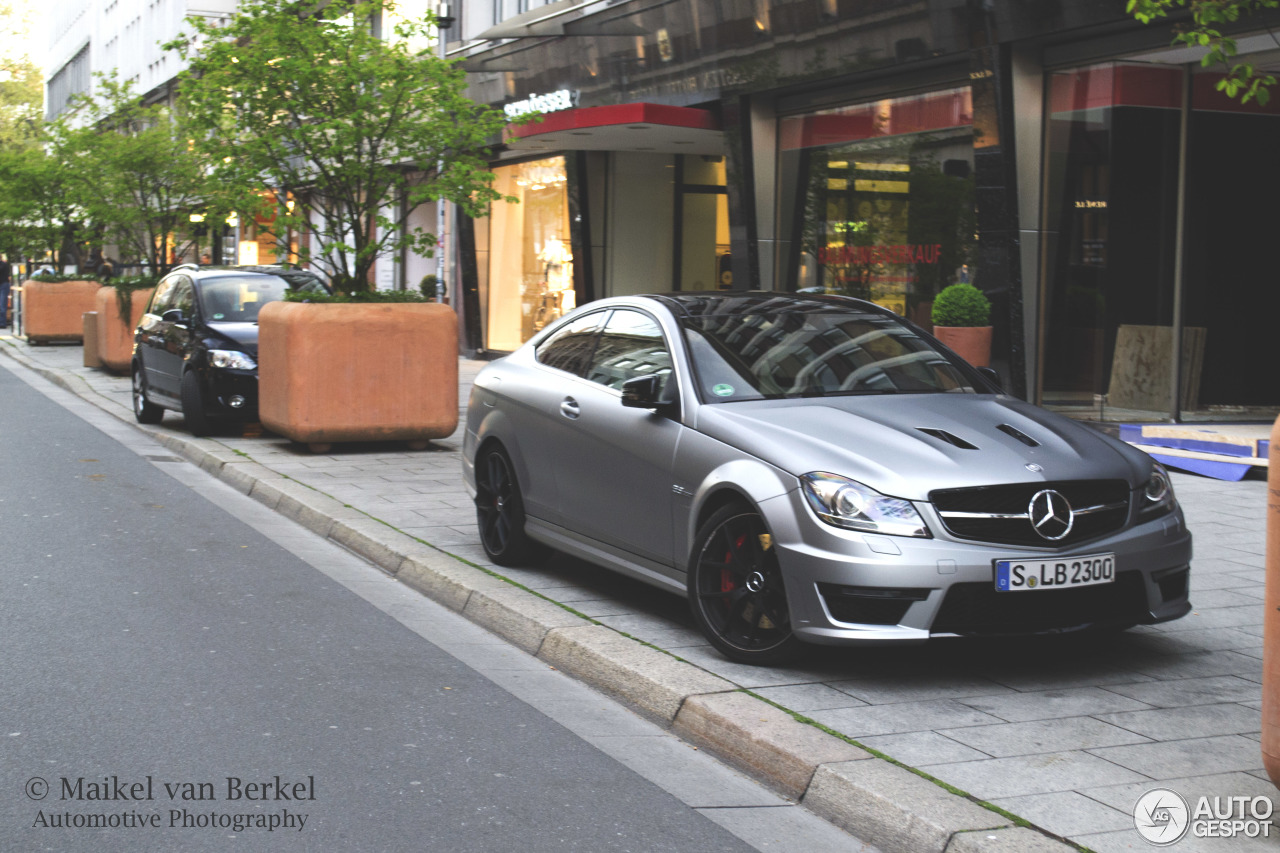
[(1018, 434), (943, 435)]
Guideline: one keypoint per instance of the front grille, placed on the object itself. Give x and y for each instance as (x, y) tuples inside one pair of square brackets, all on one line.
[(1107, 502), (976, 608)]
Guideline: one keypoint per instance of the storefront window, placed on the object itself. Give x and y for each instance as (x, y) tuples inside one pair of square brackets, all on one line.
[(703, 225), (530, 275), (1110, 232), (1229, 287), (878, 200)]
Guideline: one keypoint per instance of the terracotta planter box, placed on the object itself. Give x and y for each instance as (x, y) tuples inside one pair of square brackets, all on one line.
[(115, 332), (358, 372), (54, 310), (972, 343)]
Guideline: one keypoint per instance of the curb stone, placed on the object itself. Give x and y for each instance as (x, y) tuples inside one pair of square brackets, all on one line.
[(519, 616), (642, 676), (1015, 840), (893, 808), (764, 740), (445, 580), (873, 799)]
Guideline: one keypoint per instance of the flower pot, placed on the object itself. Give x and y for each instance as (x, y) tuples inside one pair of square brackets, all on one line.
[(115, 331), (972, 343), (54, 310), (335, 372)]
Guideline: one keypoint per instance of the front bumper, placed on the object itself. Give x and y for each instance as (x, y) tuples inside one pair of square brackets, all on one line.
[(849, 587), (221, 386)]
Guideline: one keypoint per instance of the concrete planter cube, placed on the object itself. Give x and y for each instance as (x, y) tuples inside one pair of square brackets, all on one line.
[(115, 331), (54, 310), (336, 372)]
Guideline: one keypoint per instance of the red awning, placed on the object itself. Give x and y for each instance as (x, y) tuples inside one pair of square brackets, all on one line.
[(622, 127)]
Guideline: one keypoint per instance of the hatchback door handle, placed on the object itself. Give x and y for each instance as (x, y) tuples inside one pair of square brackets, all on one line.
[(569, 408)]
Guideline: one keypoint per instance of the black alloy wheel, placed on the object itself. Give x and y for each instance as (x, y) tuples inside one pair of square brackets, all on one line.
[(736, 589), (144, 411), (193, 411), (500, 511)]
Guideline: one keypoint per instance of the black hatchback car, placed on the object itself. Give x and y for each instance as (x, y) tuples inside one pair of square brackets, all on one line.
[(195, 350)]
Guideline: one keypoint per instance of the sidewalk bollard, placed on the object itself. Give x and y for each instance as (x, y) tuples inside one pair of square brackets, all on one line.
[(92, 358), (1271, 624)]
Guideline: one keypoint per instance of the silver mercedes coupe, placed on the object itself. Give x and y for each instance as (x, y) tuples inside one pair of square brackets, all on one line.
[(814, 469)]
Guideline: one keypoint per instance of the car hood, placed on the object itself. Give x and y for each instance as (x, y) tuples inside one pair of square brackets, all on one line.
[(243, 336), (907, 445)]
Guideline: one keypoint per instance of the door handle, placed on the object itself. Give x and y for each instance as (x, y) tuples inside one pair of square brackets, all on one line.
[(569, 408)]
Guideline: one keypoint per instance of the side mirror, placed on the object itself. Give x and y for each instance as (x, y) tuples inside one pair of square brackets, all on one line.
[(646, 392), (173, 315), (989, 373)]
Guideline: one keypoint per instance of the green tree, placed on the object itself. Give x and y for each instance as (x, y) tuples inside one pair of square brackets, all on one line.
[(21, 84), (136, 173), (39, 215), (1242, 79), (21, 90), (357, 130)]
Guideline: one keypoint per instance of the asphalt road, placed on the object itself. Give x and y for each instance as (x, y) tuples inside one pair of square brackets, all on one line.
[(170, 669)]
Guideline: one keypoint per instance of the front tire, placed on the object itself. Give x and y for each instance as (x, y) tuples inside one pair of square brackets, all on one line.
[(500, 511), (193, 411), (736, 590), (144, 411)]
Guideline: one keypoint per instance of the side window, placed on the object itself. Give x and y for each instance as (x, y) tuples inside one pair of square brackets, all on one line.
[(631, 346), (569, 348), (163, 299), (184, 297)]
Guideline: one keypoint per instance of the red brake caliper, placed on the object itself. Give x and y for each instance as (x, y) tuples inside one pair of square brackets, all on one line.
[(726, 578)]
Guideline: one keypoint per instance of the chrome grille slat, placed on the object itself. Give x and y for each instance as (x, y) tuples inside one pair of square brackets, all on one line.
[(1000, 514)]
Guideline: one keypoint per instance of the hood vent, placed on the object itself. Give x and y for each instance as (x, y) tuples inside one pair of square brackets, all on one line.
[(943, 435), (1018, 434)]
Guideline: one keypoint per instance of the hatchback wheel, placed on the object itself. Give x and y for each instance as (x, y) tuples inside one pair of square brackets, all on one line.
[(145, 411), (500, 511), (193, 411), (736, 590)]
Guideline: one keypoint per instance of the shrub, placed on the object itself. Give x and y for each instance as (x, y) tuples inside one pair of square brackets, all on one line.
[(357, 296), (961, 305)]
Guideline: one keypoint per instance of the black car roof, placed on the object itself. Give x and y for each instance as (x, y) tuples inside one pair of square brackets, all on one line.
[(294, 277)]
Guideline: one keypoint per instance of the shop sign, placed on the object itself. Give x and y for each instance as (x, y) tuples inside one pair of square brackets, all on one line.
[(562, 99), (900, 254)]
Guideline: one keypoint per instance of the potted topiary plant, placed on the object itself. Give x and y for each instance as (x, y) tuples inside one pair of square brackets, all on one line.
[(962, 321)]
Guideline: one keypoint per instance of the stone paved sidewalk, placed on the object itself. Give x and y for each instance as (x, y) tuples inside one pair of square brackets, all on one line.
[(1066, 733)]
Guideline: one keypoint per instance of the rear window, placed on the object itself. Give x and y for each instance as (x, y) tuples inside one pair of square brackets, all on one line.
[(239, 298)]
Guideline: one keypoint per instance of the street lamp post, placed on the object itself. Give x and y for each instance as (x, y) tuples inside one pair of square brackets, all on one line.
[(444, 22)]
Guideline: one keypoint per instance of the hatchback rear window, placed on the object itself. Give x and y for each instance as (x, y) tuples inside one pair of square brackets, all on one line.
[(239, 298)]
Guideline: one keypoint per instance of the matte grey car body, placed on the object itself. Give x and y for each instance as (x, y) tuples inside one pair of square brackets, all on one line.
[(816, 469)]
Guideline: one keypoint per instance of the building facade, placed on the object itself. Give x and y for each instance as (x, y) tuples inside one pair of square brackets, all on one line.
[(1061, 157)]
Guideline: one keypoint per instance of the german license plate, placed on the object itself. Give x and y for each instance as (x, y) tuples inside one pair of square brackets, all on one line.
[(1024, 575)]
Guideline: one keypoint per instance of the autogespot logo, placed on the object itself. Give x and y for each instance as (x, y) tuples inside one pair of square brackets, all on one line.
[(1161, 816)]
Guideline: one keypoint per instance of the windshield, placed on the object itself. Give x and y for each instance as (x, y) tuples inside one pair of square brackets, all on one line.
[(238, 298), (755, 356)]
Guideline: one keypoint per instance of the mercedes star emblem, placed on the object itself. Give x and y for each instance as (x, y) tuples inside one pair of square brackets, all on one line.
[(1050, 515)]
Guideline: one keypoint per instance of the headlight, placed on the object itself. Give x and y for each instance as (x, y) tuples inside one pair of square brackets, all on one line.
[(231, 358), (1157, 495), (845, 503)]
